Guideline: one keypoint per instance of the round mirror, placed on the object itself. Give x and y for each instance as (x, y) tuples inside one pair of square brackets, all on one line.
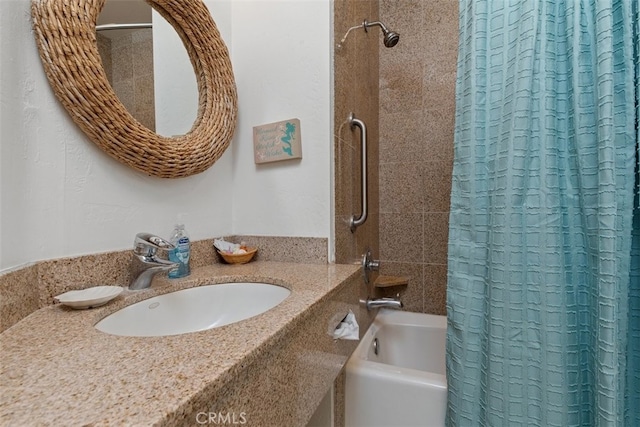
[(66, 37)]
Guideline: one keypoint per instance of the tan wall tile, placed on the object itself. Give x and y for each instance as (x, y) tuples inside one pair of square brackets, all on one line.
[(417, 111)]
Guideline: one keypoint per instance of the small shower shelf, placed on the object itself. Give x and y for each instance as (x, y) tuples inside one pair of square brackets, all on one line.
[(388, 281)]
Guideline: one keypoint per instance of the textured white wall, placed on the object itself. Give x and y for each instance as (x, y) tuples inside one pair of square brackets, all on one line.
[(61, 196), (281, 58), (176, 89)]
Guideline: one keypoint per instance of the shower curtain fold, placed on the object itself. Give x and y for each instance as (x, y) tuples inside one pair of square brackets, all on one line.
[(544, 254)]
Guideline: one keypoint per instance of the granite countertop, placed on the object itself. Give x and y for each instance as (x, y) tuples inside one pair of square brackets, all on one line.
[(57, 369)]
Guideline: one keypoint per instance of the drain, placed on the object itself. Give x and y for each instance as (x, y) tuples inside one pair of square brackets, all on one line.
[(154, 305), (376, 346)]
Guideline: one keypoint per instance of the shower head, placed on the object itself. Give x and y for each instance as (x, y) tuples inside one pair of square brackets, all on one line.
[(390, 39)]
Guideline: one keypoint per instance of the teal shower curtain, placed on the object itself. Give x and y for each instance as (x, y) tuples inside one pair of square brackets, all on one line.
[(543, 298)]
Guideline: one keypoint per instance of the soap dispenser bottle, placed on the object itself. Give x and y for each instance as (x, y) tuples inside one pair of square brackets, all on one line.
[(181, 253)]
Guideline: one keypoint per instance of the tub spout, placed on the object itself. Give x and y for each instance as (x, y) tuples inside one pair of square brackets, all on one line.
[(384, 302)]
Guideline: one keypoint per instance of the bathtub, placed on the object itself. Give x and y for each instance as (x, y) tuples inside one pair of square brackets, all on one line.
[(405, 383)]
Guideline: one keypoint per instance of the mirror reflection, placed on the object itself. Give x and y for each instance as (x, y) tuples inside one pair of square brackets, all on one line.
[(147, 66)]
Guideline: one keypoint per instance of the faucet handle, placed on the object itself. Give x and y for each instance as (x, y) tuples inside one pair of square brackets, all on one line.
[(368, 265), (148, 244)]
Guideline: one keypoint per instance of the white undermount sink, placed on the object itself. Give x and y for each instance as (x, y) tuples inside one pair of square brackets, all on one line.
[(193, 309)]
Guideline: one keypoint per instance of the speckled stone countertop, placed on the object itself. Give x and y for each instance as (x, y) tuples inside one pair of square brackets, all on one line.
[(57, 369)]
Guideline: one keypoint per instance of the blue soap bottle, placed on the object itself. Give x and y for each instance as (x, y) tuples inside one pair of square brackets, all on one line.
[(181, 253)]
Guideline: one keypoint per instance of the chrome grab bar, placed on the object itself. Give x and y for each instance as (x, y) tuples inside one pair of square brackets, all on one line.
[(357, 222)]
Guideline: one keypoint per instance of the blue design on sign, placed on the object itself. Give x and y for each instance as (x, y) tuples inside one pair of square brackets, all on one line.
[(290, 130)]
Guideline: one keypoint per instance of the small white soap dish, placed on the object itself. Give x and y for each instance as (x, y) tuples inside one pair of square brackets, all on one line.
[(90, 297)]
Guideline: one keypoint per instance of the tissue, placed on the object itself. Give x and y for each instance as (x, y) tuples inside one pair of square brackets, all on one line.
[(348, 328), (230, 248)]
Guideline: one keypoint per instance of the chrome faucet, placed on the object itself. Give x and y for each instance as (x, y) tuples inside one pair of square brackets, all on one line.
[(384, 302), (145, 264)]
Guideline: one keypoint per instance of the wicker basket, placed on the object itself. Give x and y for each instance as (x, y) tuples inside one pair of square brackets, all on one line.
[(239, 258)]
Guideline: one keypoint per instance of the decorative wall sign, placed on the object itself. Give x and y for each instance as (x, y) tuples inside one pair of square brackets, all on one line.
[(277, 141)]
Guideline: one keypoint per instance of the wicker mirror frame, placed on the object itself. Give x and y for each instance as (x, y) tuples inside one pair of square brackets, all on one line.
[(65, 33)]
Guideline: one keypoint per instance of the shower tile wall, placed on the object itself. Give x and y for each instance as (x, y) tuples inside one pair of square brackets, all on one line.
[(128, 59), (417, 104), (355, 90)]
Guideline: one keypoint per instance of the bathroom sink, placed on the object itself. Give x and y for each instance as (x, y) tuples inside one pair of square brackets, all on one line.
[(193, 309)]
